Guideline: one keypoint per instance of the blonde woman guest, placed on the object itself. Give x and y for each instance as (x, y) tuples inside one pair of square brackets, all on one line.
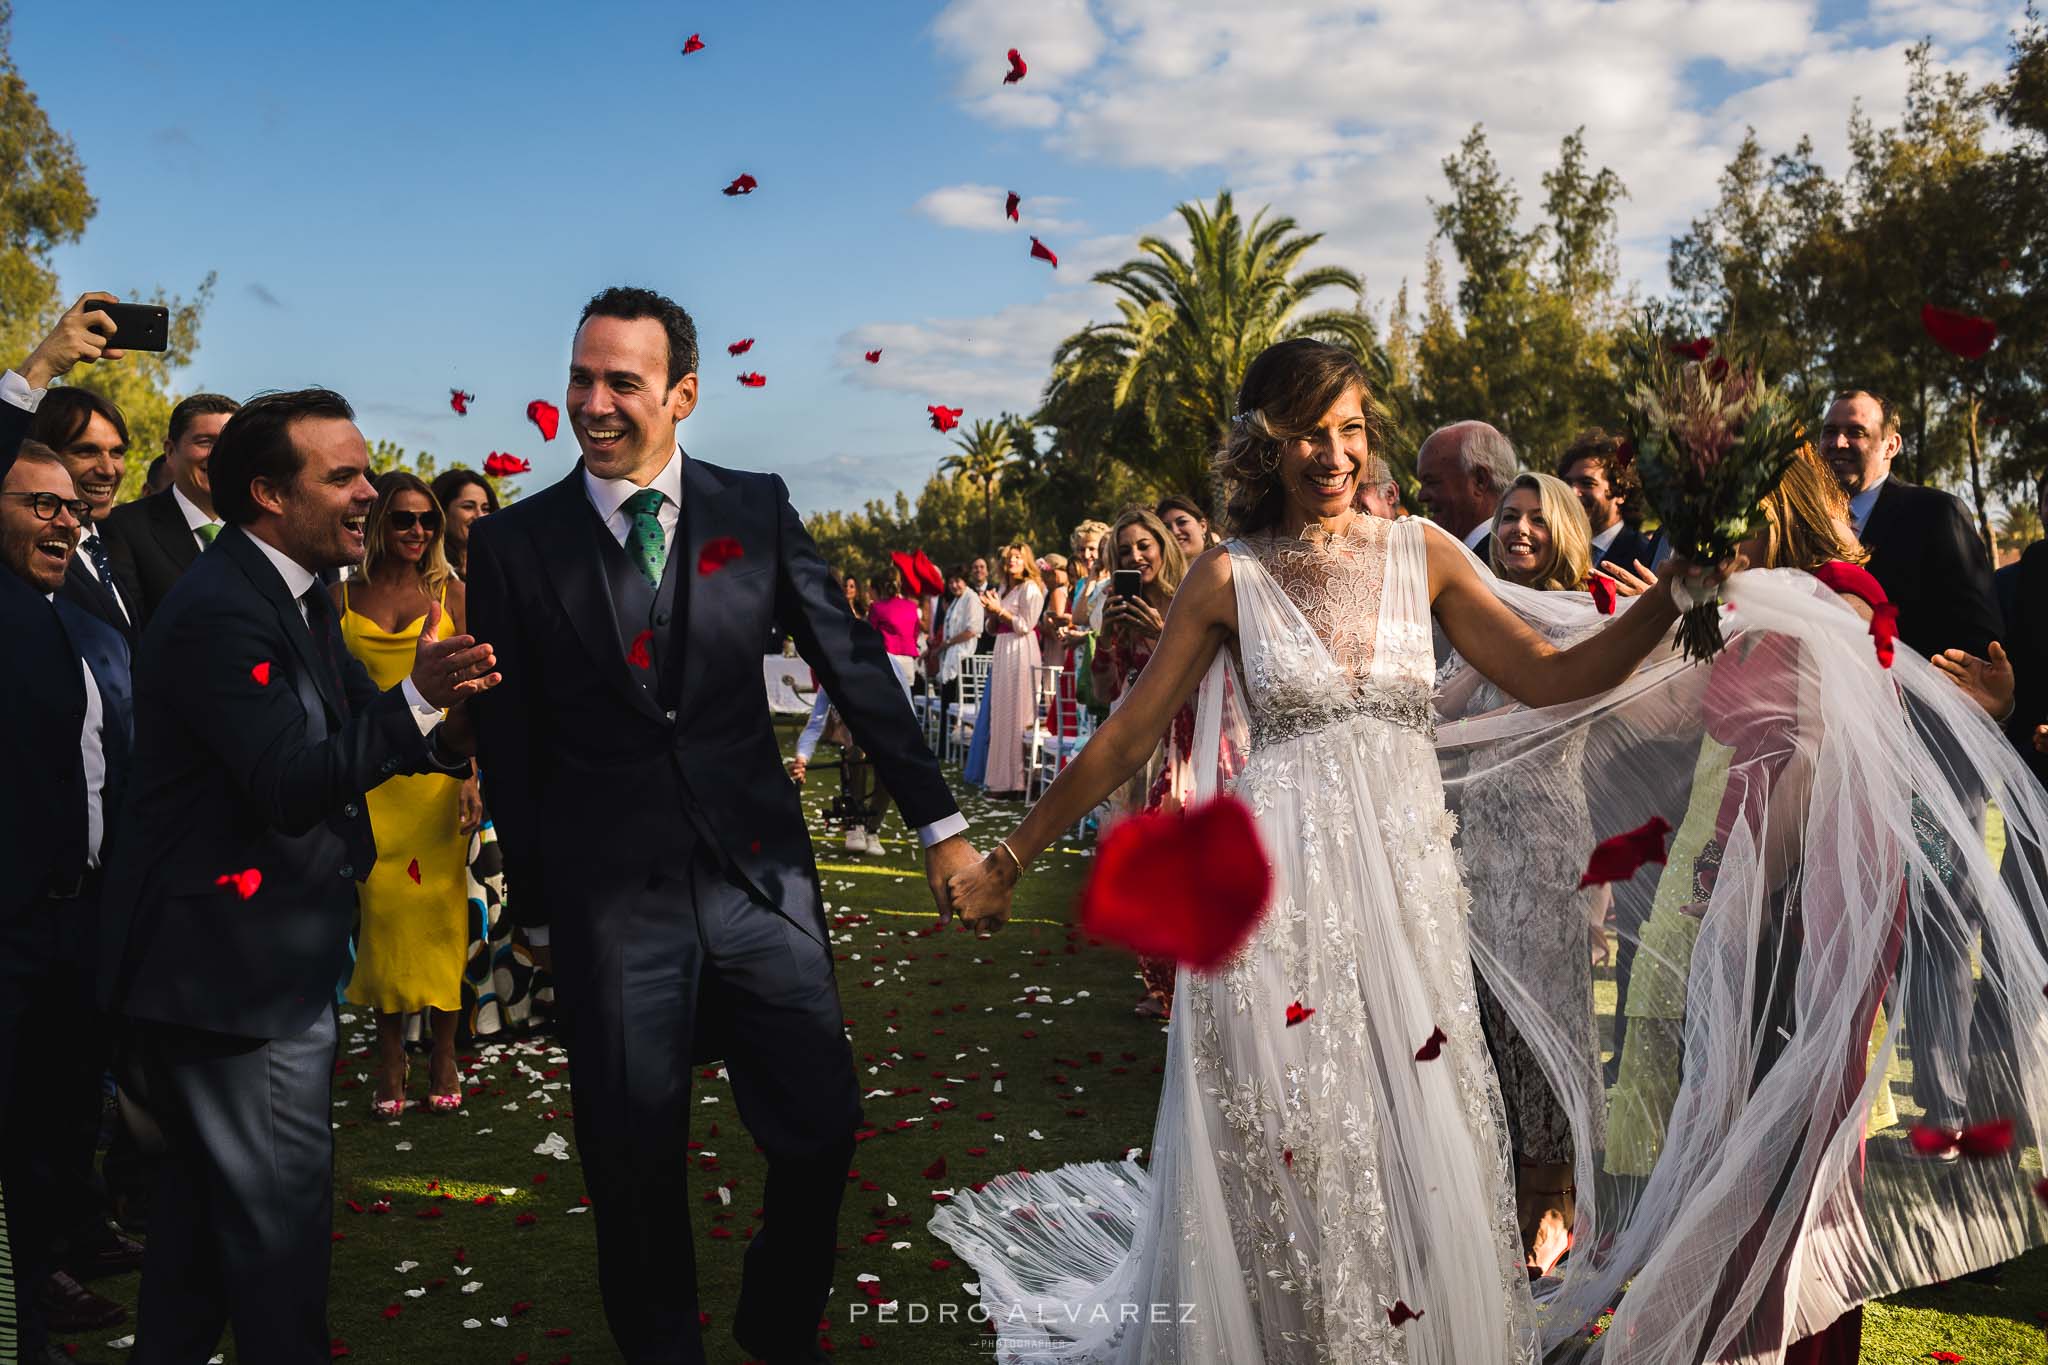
[(1058, 613), (1188, 523), (1528, 890), (413, 940), (1010, 704)]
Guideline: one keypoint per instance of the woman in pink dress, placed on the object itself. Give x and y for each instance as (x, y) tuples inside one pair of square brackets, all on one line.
[(1010, 704), (898, 618)]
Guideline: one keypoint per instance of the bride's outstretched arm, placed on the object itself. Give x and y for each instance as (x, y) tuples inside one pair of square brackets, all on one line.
[(1203, 616), (1522, 663)]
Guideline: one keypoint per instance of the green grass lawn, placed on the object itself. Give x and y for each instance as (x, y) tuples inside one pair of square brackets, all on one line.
[(464, 1238)]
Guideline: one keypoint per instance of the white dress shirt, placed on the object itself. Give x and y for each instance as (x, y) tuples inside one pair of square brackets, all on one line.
[(14, 389), (92, 748), (609, 496), (1860, 505), (1477, 534), (194, 518)]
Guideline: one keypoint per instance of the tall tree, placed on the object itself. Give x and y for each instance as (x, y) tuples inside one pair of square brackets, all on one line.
[(984, 452), (1191, 321), (43, 205)]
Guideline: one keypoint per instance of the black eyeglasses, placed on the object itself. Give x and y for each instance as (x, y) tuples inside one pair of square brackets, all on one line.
[(46, 505), (405, 521)]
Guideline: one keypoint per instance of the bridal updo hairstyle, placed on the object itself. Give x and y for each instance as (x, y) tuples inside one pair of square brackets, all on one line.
[(1286, 391)]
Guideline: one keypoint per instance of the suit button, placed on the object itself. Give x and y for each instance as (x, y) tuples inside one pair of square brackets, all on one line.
[(661, 618), (348, 871), (670, 714), (390, 766), (351, 810)]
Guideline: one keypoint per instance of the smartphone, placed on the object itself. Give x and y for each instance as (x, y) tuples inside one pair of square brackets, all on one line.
[(1127, 583), (137, 326)]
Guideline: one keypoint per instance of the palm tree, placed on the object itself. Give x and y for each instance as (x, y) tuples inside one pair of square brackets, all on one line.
[(1191, 323), (984, 452)]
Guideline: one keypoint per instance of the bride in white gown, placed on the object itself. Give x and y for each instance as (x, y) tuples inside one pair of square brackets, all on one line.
[(1309, 1187)]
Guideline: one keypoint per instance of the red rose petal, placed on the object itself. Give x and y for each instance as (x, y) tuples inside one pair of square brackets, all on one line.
[(1296, 1014), (873, 357), (1401, 1313), (1602, 588), (391, 1311), (753, 380), (1433, 1048), (525, 1220), (692, 44), (261, 673), (745, 184), (1986, 1139), (546, 416), (245, 883), (637, 654), (943, 417), (1960, 334), (936, 1171), (501, 464), (740, 347), (1190, 886), (1884, 631), (1041, 252), (1618, 858), (412, 870), (1010, 208), (460, 401), (1017, 68), (717, 553)]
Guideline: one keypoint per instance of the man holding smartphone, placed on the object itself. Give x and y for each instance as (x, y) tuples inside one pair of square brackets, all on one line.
[(82, 335)]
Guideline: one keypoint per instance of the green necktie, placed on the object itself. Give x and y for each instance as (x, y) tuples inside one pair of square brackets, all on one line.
[(206, 531), (643, 539)]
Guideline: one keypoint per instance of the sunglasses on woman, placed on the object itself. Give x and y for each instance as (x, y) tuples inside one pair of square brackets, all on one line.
[(405, 521)]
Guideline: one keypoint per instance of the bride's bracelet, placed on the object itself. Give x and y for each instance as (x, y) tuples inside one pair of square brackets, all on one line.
[(1018, 863)]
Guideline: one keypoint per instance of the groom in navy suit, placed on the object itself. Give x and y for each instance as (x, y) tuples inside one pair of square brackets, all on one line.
[(655, 851)]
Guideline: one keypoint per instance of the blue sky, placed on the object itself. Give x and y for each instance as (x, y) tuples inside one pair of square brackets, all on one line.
[(404, 199)]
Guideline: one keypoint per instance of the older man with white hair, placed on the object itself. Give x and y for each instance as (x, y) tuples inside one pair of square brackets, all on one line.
[(1462, 470)]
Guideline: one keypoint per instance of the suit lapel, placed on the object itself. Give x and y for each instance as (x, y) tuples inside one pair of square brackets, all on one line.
[(1883, 512), (96, 597), (167, 524), (261, 573), (570, 553), (710, 510)]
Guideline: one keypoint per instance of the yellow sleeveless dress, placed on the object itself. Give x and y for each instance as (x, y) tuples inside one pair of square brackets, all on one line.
[(413, 938)]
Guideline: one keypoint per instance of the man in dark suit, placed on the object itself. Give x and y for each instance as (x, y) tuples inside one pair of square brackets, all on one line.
[(659, 853), (66, 695), (232, 896), (91, 436), (1935, 569), (1611, 492), (153, 540)]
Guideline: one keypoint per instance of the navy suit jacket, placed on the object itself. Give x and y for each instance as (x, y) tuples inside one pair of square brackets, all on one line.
[(591, 780), (236, 771), (43, 700), (151, 547), (1926, 554)]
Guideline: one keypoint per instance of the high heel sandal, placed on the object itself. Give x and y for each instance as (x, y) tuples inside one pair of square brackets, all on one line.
[(391, 1109), (446, 1103)]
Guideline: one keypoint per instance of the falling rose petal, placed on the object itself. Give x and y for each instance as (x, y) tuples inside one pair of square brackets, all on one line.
[(638, 655), (943, 417), (1401, 1314), (1186, 885), (933, 580), (740, 347), (1041, 252), (546, 416), (717, 553), (261, 673), (1964, 335), (1433, 1047), (1929, 1140), (1017, 68), (1010, 206), (501, 464), (692, 44), (1616, 859), (1986, 1139), (745, 184), (753, 380), (1602, 588), (1884, 631), (1693, 350), (460, 401), (937, 1170), (873, 357), (245, 883), (2041, 1190), (1296, 1014), (412, 870)]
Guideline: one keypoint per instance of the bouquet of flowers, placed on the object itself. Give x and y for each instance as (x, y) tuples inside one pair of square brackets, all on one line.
[(1710, 439)]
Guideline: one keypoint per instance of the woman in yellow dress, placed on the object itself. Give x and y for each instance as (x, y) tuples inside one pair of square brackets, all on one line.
[(413, 936)]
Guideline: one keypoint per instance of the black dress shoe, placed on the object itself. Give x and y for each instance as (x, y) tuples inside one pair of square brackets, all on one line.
[(108, 1250), (69, 1306)]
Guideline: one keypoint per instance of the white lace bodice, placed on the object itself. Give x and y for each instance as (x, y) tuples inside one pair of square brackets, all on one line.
[(1332, 627)]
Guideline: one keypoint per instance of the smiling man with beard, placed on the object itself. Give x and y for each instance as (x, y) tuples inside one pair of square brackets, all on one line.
[(65, 694), (230, 904)]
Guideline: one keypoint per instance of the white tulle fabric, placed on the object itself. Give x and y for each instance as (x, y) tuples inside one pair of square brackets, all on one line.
[(1854, 912), (1301, 1180)]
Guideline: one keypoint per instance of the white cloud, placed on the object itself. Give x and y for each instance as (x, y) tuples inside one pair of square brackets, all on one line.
[(985, 365), (980, 208)]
